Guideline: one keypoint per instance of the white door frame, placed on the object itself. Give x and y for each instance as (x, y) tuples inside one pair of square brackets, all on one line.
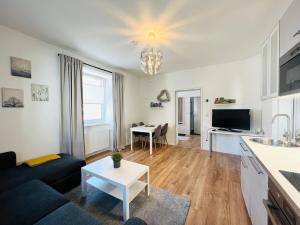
[(201, 112)]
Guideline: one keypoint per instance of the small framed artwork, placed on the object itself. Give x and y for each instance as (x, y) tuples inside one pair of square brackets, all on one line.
[(20, 67), (12, 98), (39, 93)]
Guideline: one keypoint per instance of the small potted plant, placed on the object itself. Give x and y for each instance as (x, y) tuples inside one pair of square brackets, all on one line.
[(117, 157)]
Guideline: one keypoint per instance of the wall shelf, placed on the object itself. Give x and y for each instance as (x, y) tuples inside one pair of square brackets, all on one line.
[(219, 104)]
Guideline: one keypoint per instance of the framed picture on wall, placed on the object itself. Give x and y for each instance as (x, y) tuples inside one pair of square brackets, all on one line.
[(12, 98), (20, 67), (39, 93)]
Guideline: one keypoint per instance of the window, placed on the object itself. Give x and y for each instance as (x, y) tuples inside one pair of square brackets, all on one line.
[(93, 88)]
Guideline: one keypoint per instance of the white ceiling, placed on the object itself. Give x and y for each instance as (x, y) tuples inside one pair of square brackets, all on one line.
[(191, 33)]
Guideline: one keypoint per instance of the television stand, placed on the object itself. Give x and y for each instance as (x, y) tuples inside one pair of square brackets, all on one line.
[(223, 129), (230, 130), (227, 141), (235, 131)]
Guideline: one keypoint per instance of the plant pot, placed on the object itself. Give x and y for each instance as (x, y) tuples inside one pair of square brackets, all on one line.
[(117, 164)]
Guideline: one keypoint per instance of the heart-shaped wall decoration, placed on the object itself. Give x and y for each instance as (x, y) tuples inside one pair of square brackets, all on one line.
[(164, 96)]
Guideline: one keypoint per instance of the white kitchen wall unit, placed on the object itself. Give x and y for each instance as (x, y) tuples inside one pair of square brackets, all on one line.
[(289, 26), (97, 138), (270, 65), (254, 185)]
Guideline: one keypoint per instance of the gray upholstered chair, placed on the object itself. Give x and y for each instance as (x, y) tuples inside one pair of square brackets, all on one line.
[(155, 137), (136, 135), (163, 134), (141, 124)]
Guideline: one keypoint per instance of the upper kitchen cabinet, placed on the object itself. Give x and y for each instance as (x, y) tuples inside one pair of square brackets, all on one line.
[(270, 65), (290, 27)]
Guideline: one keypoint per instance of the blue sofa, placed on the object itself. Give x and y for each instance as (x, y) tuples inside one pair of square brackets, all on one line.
[(62, 174), (31, 196)]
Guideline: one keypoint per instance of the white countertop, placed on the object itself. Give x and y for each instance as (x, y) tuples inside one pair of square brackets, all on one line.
[(274, 159)]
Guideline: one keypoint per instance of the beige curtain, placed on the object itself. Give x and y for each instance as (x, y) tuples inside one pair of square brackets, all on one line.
[(72, 136), (118, 112)]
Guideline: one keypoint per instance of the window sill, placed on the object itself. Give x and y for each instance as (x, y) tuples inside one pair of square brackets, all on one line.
[(97, 125)]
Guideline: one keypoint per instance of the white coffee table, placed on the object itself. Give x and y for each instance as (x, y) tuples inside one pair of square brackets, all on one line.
[(122, 183)]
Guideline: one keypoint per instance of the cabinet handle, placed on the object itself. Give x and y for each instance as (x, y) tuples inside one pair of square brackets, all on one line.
[(243, 163), (272, 212), (256, 167), (243, 147), (297, 33)]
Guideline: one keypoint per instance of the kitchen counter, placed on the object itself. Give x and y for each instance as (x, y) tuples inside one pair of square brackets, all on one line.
[(274, 159)]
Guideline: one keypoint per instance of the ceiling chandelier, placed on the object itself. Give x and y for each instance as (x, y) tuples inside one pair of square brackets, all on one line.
[(151, 60)]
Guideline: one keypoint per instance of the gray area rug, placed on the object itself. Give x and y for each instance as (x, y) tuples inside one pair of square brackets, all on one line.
[(160, 208)]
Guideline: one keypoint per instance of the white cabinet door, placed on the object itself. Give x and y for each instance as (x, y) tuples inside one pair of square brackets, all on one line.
[(289, 26), (245, 182), (270, 66), (273, 78), (265, 71), (246, 189), (259, 192)]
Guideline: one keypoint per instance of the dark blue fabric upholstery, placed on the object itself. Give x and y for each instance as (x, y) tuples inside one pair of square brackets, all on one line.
[(68, 214), (51, 173), (135, 221), (7, 160), (24, 200), (28, 203)]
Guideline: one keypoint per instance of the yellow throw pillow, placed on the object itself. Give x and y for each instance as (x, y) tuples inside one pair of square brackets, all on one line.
[(41, 160)]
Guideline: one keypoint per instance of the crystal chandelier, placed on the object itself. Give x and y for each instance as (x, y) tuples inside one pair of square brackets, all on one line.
[(151, 60)]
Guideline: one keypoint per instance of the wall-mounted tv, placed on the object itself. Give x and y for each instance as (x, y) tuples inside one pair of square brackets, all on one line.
[(231, 119)]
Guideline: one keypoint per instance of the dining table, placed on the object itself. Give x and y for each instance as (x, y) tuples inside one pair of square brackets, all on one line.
[(148, 129)]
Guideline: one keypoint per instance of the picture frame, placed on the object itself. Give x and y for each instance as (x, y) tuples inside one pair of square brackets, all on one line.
[(20, 67)]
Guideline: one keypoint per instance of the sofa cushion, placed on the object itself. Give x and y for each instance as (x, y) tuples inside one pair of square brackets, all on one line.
[(41, 160), (49, 172), (28, 203), (68, 214)]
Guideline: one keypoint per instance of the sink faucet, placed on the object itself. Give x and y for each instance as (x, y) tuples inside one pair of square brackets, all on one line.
[(288, 134)]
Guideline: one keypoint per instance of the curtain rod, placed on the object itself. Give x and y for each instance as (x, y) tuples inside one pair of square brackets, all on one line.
[(108, 71)]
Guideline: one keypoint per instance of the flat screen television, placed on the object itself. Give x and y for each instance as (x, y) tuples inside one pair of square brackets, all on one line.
[(231, 119)]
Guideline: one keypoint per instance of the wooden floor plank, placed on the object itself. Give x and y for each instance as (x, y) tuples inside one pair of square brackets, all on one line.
[(211, 183)]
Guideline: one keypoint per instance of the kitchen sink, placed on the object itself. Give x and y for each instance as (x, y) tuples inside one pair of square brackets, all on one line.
[(274, 142)]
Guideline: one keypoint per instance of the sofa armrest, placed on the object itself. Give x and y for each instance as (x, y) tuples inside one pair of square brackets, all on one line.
[(135, 221), (8, 160)]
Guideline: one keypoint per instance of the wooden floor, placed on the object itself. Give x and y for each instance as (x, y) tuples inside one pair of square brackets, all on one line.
[(211, 183), (194, 141)]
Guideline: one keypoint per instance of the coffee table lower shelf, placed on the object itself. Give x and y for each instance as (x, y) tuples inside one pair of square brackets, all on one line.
[(115, 191)]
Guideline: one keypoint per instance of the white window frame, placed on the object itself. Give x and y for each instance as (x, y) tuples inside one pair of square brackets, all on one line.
[(101, 120)]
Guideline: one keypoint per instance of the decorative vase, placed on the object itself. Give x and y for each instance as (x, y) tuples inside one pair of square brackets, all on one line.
[(117, 164)]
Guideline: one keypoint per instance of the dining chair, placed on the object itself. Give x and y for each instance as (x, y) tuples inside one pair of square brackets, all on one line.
[(163, 134), (155, 137), (137, 135)]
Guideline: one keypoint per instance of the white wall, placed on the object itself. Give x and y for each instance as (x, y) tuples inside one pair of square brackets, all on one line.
[(239, 80), (35, 129)]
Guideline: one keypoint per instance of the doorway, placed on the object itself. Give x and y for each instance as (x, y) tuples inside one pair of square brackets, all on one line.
[(188, 118)]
